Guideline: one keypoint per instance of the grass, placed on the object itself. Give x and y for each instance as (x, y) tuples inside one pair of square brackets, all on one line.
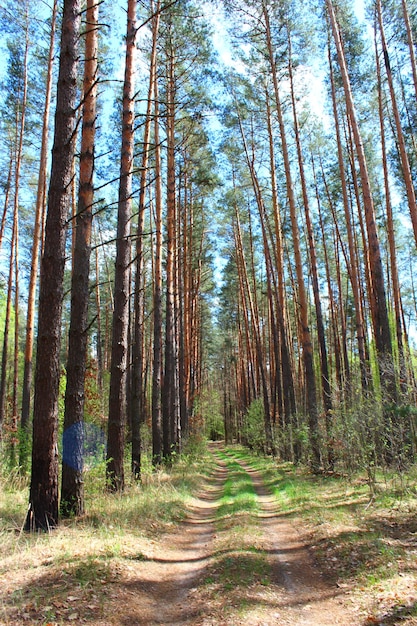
[(238, 492), (366, 545), (240, 563), (52, 576)]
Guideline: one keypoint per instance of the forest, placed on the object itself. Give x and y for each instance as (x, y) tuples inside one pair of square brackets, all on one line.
[(208, 230)]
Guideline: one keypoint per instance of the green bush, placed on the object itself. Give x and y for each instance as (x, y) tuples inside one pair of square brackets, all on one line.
[(253, 431)]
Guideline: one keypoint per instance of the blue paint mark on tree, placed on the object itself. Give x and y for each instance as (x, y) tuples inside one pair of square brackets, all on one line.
[(83, 442)]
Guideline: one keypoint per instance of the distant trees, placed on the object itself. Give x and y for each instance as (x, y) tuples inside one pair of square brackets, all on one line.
[(288, 197), (348, 252)]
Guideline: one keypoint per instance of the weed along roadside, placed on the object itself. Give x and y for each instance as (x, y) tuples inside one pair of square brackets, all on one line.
[(224, 537), (297, 548)]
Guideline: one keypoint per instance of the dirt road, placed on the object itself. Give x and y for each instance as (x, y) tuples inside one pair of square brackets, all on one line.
[(168, 584)]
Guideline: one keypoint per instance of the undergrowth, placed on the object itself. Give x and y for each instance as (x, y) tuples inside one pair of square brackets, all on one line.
[(365, 542), (67, 570), (144, 509)]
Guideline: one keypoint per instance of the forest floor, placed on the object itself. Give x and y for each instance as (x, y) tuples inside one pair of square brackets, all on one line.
[(229, 562)]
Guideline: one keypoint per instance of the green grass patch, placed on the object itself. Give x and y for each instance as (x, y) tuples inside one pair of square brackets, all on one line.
[(241, 565), (239, 495), (363, 542), (239, 569)]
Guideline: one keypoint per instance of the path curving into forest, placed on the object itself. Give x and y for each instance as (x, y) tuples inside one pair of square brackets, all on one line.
[(168, 584)]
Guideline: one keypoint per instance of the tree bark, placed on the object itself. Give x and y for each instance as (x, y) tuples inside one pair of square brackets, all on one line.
[(284, 360), (378, 302), (120, 325), (307, 346), (391, 233), (39, 210), (352, 263), (72, 486), (138, 405), (43, 506), (170, 399), (411, 44), (405, 164), (19, 134), (321, 334), (157, 432)]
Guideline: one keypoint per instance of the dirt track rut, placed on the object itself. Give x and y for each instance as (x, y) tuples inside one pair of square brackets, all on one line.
[(165, 586)]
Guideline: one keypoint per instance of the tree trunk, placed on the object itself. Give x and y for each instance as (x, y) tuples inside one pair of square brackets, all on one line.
[(378, 301), (138, 406), (254, 309), (170, 403), (405, 164), (72, 486), (9, 299), (352, 262), (6, 195), (120, 326), (254, 316), (285, 370), (157, 433), (14, 431), (39, 210), (100, 363), (321, 334), (307, 346), (43, 507), (19, 134), (391, 232)]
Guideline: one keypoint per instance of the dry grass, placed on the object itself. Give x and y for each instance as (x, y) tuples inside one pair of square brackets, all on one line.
[(369, 548), (57, 577)]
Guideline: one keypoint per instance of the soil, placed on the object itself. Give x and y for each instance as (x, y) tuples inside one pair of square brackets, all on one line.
[(166, 587), (171, 580)]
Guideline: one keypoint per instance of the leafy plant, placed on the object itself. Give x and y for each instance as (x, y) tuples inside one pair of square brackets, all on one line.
[(253, 431)]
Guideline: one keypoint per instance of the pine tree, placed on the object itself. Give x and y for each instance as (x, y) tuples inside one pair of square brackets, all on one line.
[(43, 508), (72, 490), (120, 326)]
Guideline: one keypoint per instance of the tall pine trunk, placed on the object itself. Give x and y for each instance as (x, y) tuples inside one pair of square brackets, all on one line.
[(391, 234), (405, 164), (19, 134), (43, 507), (321, 334), (378, 300), (253, 306), (287, 378), (306, 342), (72, 489), (157, 432), (352, 262), (138, 407), (170, 393), (39, 211), (120, 326)]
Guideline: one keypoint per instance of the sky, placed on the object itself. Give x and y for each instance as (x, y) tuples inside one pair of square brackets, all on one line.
[(359, 9)]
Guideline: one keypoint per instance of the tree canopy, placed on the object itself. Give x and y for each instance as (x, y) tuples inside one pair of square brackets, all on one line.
[(219, 200)]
